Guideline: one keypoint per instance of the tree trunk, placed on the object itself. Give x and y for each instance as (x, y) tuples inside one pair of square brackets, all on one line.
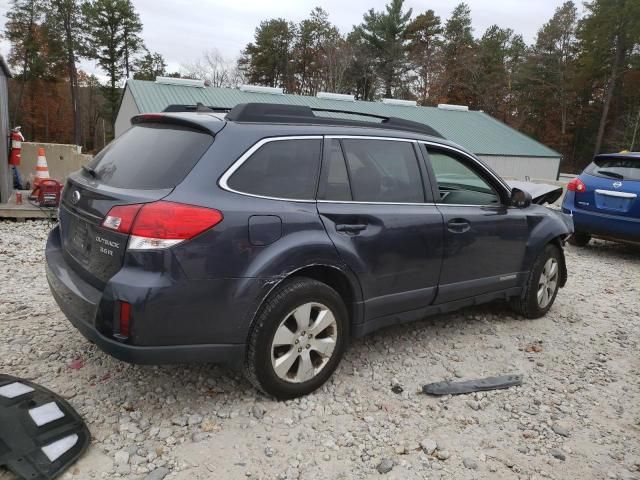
[(635, 131), (73, 84), (16, 107), (387, 87), (46, 114), (25, 65), (611, 86)]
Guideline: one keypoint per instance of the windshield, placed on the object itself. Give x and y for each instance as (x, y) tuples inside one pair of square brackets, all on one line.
[(620, 167)]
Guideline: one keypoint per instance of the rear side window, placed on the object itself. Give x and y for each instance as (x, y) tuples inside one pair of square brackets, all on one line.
[(623, 168), (335, 180), (150, 156), (383, 171), (280, 169)]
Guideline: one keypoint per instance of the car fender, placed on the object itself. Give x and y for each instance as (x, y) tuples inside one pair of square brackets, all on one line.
[(545, 226)]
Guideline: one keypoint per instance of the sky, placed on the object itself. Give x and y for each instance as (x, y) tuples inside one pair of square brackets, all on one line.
[(181, 30)]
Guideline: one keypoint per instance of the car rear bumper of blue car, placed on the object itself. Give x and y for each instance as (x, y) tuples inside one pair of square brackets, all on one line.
[(86, 307), (605, 225)]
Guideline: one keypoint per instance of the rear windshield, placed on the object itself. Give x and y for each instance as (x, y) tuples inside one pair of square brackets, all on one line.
[(623, 168), (150, 156)]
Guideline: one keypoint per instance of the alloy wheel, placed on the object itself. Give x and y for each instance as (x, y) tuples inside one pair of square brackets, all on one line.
[(304, 342), (548, 282)]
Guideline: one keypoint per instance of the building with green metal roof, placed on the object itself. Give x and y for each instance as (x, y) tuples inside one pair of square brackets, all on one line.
[(511, 153)]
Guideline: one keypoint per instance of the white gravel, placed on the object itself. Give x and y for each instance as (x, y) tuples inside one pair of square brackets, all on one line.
[(577, 416)]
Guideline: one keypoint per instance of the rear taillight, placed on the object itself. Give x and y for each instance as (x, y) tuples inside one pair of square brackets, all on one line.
[(121, 218), (160, 224), (576, 185)]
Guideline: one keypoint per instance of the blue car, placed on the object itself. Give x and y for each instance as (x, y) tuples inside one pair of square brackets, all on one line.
[(603, 200)]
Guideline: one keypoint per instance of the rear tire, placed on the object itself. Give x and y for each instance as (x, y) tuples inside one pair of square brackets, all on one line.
[(298, 338), (542, 285), (579, 239)]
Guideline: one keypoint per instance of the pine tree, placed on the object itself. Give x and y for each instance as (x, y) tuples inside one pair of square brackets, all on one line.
[(65, 18), (424, 35), (384, 32), (150, 66), (112, 36), (23, 19), (133, 43), (499, 54), (268, 59), (314, 38), (459, 57)]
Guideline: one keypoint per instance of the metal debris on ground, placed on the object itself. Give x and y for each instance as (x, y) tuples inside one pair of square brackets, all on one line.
[(469, 386)]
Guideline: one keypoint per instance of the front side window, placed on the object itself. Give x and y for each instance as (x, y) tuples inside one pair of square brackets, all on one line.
[(281, 169), (383, 171), (459, 184)]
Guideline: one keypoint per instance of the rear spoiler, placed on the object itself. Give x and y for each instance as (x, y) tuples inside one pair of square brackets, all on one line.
[(206, 125)]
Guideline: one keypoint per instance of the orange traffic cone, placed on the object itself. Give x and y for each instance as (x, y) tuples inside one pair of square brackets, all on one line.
[(42, 173), (42, 169)]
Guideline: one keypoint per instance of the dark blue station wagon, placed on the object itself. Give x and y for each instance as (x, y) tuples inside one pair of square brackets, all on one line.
[(268, 237)]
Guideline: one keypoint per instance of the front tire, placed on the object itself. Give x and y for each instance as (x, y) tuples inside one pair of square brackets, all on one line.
[(542, 285), (298, 338)]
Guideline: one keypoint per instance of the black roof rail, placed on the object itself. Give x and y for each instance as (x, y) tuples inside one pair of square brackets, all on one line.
[(198, 108), (279, 113)]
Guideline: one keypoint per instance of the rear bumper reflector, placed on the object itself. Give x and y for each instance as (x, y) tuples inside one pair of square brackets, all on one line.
[(125, 319)]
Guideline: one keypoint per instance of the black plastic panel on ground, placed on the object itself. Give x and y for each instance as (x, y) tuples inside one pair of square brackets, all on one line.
[(40, 434)]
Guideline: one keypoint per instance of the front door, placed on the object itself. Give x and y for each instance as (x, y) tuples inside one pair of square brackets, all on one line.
[(484, 239), (373, 206)]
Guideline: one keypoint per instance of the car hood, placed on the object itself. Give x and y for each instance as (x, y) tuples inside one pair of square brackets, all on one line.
[(541, 193)]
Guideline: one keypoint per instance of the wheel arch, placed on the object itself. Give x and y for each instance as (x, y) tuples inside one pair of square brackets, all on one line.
[(558, 241), (348, 288), (549, 227), (339, 278)]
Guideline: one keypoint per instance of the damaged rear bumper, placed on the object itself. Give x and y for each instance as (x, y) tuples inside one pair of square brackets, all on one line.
[(160, 329)]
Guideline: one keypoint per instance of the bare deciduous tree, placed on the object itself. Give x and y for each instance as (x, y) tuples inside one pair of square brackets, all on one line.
[(215, 69)]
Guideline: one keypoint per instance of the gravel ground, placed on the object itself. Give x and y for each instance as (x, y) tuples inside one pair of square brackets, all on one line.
[(576, 416)]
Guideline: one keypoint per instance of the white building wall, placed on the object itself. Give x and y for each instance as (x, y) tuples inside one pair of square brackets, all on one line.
[(128, 109), (541, 168)]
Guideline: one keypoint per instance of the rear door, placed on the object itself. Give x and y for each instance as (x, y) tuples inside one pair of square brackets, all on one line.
[(484, 240), (375, 208), (142, 165)]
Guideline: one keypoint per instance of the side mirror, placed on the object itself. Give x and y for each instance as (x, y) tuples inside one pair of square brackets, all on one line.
[(519, 198)]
